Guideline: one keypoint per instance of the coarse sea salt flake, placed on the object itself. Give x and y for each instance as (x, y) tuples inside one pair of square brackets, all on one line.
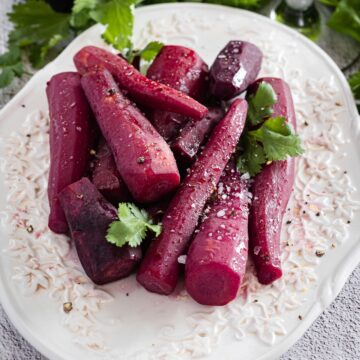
[(182, 259), (257, 250)]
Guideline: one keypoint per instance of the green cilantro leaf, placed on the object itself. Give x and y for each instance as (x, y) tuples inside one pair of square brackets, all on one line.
[(252, 156), (274, 140), (260, 104), (39, 27), (151, 50), (278, 139), (80, 5), (117, 15), (354, 82), (10, 66), (132, 226), (80, 17), (148, 53), (346, 18)]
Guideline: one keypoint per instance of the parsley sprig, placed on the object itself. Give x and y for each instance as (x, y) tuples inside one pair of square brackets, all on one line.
[(132, 226), (260, 104), (272, 139)]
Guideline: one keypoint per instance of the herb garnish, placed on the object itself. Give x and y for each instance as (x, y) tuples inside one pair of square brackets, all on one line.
[(273, 140), (260, 104), (132, 226)]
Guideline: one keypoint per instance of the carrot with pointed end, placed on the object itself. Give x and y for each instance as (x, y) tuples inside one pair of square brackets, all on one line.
[(216, 261), (187, 145), (271, 190), (70, 140), (106, 177), (159, 270), (143, 90), (143, 158), (182, 69)]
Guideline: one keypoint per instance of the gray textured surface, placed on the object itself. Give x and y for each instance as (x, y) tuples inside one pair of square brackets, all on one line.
[(333, 336)]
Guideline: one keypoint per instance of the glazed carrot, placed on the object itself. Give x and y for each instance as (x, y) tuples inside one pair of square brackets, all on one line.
[(187, 145), (159, 270), (184, 70), (89, 216), (216, 260), (143, 90), (70, 140), (271, 192), (143, 158), (106, 177)]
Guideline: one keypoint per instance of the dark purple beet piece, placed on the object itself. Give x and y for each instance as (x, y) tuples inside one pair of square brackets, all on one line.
[(182, 69), (89, 216), (70, 140), (271, 192), (106, 177), (143, 158), (237, 65), (168, 124), (186, 146), (216, 261), (159, 270), (143, 90)]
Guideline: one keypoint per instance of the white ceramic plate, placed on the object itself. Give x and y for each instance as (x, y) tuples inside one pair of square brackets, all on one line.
[(38, 274)]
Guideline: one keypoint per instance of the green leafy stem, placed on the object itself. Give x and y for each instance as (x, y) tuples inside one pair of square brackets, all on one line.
[(40, 33), (265, 138)]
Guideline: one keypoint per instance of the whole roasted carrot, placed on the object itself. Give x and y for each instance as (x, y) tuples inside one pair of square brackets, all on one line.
[(143, 158), (216, 260), (70, 140), (106, 177), (143, 90), (182, 69), (271, 191), (187, 145), (159, 270), (89, 216)]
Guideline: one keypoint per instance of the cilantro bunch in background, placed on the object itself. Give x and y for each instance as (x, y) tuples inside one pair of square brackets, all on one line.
[(346, 20), (40, 32), (42, 28)]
